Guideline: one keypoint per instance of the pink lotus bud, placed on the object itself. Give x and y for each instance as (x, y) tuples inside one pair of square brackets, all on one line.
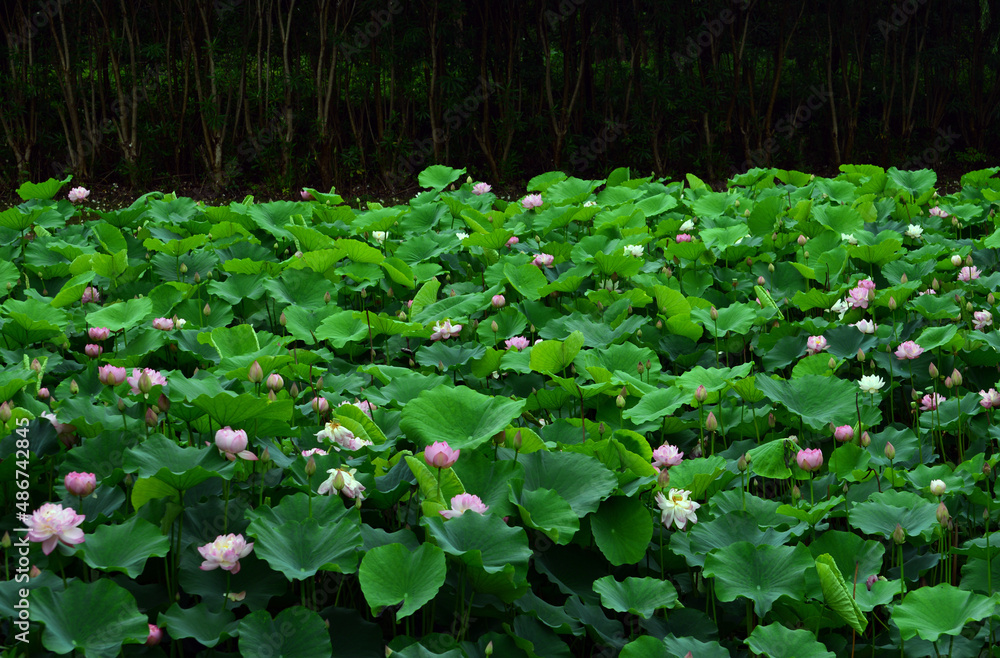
[(495, 327), (311, 466), (866, 439), (802, 240), (80, 484), (809, 460), (948, 383), (713, 313), (207, 310), (760, 281), (903, 278), (711, 424), (517, 441), (43, 393), (663, 478), (282, 320), (275, 382), (5, 413), (145, 382), (93, 351), (163, 324), (743, 463), (935, 284), (155, 635), (890, 451), (701, 394), (320, 405), (956, 377), (871, 580), (498, 301), (151, 417), (861, 355), (440, 455), (892, 303), (36, 365), (35, 572), (844, 433), (74, 388), (98, 333), (256, 373), (942, 514), (932, 369)]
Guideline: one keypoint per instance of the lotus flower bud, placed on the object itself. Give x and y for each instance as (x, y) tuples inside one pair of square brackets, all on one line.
[(898, 535), (517, 441), (903, 279), (151, 417), (861, 355), (5, 413), (771, 420), (805, 254), (326, 297), (499, 438), (935, 285), (310, 466), (714, 313), (890, 451), (5, 542), (770, 268), (663, 478), (990, 299), (121, 405), (36, 365), (197, 277), (601, 429), (938, 487), (494, 326), (207, 310), (742, 463), (866, 439), (832, 363), (620, 402), (711, 424), (256, 373), (320, 405), (760, 281), (956, 260), (796, 493), (892, 303), (80, 484), (275, 382), (74, 388), (294, 390), (640, 368), (282, 320), (802, 240), (319, 384), (956, 377), (659, 324), (271, 397), (700, 393), (942, 514), (489, 649)]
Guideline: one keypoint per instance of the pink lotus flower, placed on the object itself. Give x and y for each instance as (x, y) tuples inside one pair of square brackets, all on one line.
[(93, 351), (857, 297), (990, 399), (483, 188), (909, 350), (865, 326), (314, 451), (517, 342), (111, 375), (498, 301), (80, 484), (936, 211), (684, 237), (155, 635), (666, 456), (931, 401), (275, 382), (163, 324), (155, 379), (982, 319), (341, 437), (866, 284), (463, 503), (809, 460), (445, 329), (532, 201), (543, 260), (233, 443), (51, 524), (343, 481), (60, 428), (90, 294), (364, 405), (968, 273), (78, 194), (844, 433), (98, 333), (513, 241), (677, 508), (440, 455), (320, 405), (225, 552), (306, 195), (816, 344)]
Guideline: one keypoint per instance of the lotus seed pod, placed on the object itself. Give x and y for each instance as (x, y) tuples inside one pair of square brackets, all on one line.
[(145, 383), (338, 481)]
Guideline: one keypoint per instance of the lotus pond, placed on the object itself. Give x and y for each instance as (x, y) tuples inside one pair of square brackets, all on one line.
[(624, 417)]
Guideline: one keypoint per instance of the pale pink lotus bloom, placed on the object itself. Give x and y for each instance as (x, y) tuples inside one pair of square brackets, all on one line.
[(306, 195), (440, 455), (163, 324), (60, 428), (463, 503), (982, 319), (666, 456), (93, 351), (112, 375), (816, 344), (865, 326), (155, 635), (810, 459), (684, 237), (498, 301), (155, 378), (225, 552), (364, 405), (532, 201), (233, 443), (90, 294), (313, 451), (857, 297), (342, 480), (78, 194), (513, 241), (98, 333), (990, 399), (543, 260), (909, 350), (931, 401), (968, 273), (481, 188), (936, 211), (51, 524), (445, 329), (341, 437), (80, 484), (677, 508), (929, 291), (517, 342), (866, 284), (937, 487), (843, 433)]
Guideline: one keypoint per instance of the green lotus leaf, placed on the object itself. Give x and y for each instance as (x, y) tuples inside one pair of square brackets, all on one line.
[(95, 618), (880, 514), (638, 596), (392, 574), (622, 529), (482, 541), (303, 547), (581, 480), (459, 415), (296, 631), (760, 573), (943, 609), (181, 468), (837, 595), (124, 547), (207, 626), (777, 640), (546, 511), (818, 400)]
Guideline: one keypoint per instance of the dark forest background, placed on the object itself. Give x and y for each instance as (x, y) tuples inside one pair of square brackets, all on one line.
[(225, 95)]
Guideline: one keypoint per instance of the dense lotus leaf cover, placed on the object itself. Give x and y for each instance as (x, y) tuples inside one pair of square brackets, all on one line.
[(628, 416)]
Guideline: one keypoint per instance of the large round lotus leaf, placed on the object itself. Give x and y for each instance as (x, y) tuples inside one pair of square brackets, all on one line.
[(299, 549), (458, 415), (581, 480), (393, 574), (776, 640), (931, 612), (726, 529), (622, 530), (483, 541), (124, 547), (819, 400), (181, 468), (95, 618), (205, 625), (638, 596), (880, 514), (545, 510), (848, 549), (759, 573), (295, 633)]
